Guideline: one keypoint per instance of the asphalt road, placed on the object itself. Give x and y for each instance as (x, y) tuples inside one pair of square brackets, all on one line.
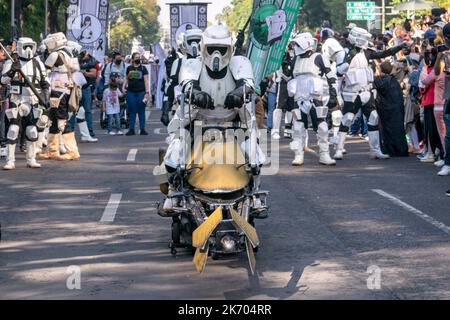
[(364, 229)]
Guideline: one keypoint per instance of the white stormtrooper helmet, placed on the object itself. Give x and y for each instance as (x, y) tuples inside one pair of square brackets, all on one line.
[(359, 37), (74, 48), (180, 43), (217, 48), (192, 40), (303, 43), (26, 48), (55, 41)]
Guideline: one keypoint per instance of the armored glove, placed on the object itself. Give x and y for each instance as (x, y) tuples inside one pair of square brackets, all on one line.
[(165, 120), (333, 99), (203, 100), (15, 67)]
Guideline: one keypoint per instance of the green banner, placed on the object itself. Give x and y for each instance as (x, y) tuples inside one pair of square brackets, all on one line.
[(271, 27)]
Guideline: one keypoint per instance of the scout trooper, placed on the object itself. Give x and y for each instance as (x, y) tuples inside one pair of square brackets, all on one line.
[(333, 52), (215, 84), (358, 90), (189, 46), (24, 105), (314, 89), (61, 64)]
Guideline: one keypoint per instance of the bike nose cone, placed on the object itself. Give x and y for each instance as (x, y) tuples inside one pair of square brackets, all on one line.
[(228, 244)]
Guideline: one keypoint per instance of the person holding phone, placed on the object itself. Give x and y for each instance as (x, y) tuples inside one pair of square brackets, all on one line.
[(136, 86)]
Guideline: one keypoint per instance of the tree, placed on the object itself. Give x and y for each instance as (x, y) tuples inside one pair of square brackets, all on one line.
[(241, 11), (140, 20)]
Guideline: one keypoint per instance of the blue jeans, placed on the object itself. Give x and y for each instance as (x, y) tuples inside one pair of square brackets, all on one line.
[(116, 118), (271, 103), (360, 124), (447, 139), (86, 102), (136, 106)]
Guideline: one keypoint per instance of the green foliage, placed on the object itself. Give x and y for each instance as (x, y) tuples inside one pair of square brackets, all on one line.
[(140, 20), (241, 11)]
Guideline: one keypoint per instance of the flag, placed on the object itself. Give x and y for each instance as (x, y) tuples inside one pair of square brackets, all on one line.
[(87, 22), (271, 26), (185, 16)]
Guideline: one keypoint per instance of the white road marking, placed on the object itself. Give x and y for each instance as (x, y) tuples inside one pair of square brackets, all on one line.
[(417, 212), (111, 209), (132, 155)]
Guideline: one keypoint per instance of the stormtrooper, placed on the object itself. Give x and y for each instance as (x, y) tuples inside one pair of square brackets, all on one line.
[(24, 104), (62, 65), (215, 84), (314, 89), (358, 91), (285, 104), (333, 52), (188, 44)]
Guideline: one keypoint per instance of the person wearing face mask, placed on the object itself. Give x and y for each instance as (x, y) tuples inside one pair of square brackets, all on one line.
[(116, 66), (136, 86)]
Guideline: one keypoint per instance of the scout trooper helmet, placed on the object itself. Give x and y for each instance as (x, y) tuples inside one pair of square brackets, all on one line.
[(359, 37), (303, 43), (192, 40), (217, 48), (26, 48)]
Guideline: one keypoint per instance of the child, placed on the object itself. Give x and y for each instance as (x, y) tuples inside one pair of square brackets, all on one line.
[(111, 104)]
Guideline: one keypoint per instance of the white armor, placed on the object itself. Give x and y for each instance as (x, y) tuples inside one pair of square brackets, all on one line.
[(192, 40), (59, 75), (24, 103), (360, 38), (310, 88), (217, 48), (358, 79), (333, 51)]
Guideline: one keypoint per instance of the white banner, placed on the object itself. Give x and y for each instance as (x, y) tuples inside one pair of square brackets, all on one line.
[(87, 23), (187, 16)]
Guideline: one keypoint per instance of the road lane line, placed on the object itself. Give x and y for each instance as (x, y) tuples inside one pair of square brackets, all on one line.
[(132, 155), (111, 208), (411, 209)]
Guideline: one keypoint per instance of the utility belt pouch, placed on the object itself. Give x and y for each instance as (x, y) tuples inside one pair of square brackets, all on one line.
[(349, 96)]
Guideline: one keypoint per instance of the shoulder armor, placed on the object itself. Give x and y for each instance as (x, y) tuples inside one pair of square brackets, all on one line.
[(190, 70), (241, 69)]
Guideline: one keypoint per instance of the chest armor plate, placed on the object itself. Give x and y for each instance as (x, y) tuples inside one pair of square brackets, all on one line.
[(218, 89)]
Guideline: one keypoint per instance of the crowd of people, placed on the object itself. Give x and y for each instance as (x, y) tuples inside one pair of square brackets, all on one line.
[(404, 93), (67, 84), (392, 89)]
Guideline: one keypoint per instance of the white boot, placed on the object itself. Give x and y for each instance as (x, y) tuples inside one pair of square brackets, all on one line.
[(375, 150), (324, 146), (288, 124), (11, 158), (277, 114), (298, 145), (31, 155), (339, 155), (62, 147), (40, 142), (84, 131)]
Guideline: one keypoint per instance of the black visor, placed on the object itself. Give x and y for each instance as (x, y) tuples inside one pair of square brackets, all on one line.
[(223, 50), (190, 42)]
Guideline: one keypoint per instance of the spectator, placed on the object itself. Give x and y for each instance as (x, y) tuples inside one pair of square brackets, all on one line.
[(136, 85), (117, 65), (111, 104), (391, 110), (88, 66)]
